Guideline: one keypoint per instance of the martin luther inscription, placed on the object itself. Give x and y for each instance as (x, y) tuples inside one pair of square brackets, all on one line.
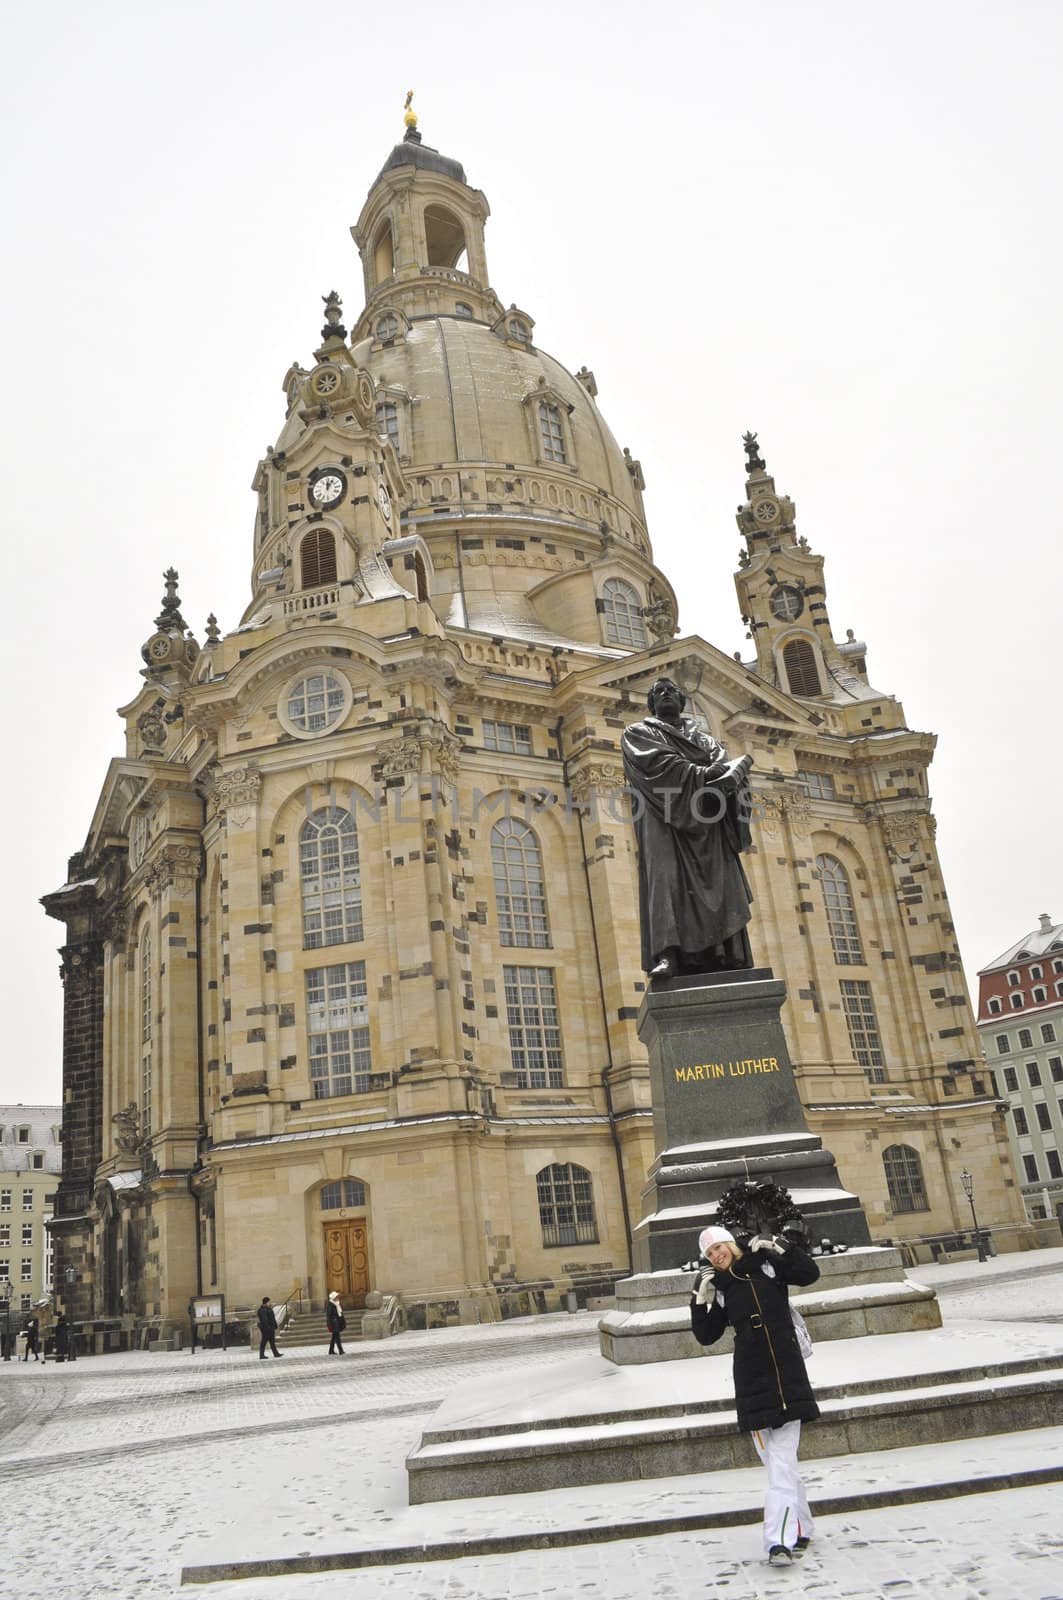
[(727, 1069)]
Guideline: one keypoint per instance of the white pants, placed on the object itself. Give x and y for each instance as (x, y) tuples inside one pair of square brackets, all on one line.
[(786, 1514)]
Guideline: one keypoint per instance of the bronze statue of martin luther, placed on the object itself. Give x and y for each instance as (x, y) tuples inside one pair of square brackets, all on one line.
[(691, 808)]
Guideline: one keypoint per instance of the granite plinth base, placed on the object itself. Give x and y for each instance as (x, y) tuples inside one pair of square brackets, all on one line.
[(726, 1110), (861, 1292), (686, 1182)]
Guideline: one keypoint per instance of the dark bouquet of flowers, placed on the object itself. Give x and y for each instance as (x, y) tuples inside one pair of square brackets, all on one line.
[(761, 1208)]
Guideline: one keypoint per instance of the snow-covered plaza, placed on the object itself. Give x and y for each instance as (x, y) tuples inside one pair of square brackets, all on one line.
[(122, 1473)]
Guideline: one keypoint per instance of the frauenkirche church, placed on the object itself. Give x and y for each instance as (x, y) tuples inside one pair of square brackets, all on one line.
[(352, 958)]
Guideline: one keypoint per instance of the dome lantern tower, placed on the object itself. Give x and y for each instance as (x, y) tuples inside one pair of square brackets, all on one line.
[(421, 237)]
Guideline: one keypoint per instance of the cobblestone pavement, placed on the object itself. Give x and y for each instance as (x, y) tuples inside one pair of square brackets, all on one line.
[(120, 1470)]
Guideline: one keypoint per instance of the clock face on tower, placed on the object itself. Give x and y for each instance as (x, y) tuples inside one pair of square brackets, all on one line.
[(383, 500), (327, 488), (766, 511)]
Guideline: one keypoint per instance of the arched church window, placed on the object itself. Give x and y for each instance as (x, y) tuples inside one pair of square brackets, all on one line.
[(566, 1205), (841, 912), (553, 435), (317, 559), (346, 1194), (462, 309), (802, 670), (623, 615), (904, 1178), (384, 254), (387, 423), (146, 1074), (444, 237), (331, 879), (387, 327), (520, 885)]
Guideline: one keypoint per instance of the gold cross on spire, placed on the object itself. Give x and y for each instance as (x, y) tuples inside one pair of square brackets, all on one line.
[(410, 117)]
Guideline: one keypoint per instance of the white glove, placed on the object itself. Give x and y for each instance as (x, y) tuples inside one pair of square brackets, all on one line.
[(759, 1242), (706, 1289)]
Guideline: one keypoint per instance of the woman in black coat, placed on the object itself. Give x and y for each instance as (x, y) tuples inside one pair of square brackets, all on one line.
[(748, 1290), (336, 1323)]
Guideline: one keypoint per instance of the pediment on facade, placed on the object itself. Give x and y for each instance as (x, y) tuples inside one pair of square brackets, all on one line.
[(122, 791), (736, 696), (358, 655)]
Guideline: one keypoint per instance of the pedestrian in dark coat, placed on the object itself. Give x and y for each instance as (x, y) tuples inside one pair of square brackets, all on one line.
[(32, 1330), (748, 1290), (62, 1337), (336, 1323), (267, 1325)]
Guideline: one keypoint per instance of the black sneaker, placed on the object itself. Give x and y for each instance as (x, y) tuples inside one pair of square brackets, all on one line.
[(779, 1556), (801, 1545)]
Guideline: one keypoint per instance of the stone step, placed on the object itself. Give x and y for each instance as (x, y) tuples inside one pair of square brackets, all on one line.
[(852, 1389), (879, 1414), (310, 1327)]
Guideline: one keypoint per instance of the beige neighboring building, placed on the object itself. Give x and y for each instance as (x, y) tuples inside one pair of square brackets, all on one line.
[(30, 1163), (352, 962)]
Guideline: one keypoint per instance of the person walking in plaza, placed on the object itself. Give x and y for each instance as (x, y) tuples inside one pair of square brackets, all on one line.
[(32, 1330), (336, 1324), (267, 1327), (747, 1289)]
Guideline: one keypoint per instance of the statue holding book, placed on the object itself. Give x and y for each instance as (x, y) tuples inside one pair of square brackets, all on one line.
[(691, 809)]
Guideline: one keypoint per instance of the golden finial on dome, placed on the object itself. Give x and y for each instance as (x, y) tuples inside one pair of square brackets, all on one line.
[(410, 117)]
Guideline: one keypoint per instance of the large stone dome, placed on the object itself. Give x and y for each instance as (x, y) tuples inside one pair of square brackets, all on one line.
[(468, 393)]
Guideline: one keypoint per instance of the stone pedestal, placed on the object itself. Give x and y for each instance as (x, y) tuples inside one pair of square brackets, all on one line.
[(863, 1291), (726, 1110)]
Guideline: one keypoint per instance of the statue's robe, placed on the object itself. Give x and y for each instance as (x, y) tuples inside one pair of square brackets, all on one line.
[(692, 825)]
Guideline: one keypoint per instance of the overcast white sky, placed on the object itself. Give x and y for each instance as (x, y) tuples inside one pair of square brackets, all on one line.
[(835, 223)]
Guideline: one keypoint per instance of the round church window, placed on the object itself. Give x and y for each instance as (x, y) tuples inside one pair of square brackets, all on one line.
[(314, 703), (787, 603)]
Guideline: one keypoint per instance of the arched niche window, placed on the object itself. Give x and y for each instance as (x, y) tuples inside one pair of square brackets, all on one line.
[(387, 327), (566, 1205), (904, 1178), (384, 254), (444, 237), (387, 423), (146, 1075), (331, 879), (552, 432), (346, 1194), (317, 559), (802, 669), (622, 614), (841, 913), (520, 886), (463, 309)]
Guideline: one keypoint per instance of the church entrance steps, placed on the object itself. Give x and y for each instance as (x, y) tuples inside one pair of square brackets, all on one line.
[(310, 1327), (583, 1516), (591, 1422)]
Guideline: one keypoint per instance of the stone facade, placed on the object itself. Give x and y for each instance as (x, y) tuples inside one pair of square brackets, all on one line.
[(359, 899)]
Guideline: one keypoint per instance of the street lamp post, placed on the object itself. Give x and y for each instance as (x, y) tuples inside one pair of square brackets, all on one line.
[(71, 1277), (5, 1295), (967, 1180)]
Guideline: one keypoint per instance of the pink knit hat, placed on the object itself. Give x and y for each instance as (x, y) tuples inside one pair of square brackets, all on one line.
[(710, 1236)]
